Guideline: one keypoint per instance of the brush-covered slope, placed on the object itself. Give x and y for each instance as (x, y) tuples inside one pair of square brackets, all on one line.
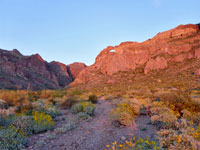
[(32, 72), (170, 53)]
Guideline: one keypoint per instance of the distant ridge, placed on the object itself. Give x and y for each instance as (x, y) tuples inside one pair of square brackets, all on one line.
[(32, 72)]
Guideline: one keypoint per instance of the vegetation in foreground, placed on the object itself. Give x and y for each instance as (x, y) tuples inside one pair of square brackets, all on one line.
[(175, 114)]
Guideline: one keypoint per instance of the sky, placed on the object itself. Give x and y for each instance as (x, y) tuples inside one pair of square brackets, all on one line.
[(77, 30)]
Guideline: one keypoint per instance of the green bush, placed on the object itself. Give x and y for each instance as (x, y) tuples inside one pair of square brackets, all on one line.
[(83, 116), (90, 109), (52, 111), (2, 121), (68, 127), (24, 123), (86, 107), (12, 138), (93, 99)]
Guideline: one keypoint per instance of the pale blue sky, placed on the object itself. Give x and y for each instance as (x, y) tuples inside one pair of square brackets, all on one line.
[(77, 30)]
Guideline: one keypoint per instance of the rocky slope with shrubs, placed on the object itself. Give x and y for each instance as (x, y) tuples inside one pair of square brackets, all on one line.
[(32, 72), (175, 46)]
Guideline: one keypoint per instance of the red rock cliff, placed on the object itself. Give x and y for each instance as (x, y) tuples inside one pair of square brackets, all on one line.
[(175, 45)]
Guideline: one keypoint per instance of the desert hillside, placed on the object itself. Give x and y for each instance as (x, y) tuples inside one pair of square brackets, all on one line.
[(34, 73), (176, 46)]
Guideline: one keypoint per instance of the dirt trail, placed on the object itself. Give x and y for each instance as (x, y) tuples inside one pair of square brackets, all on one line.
[(92, 135)]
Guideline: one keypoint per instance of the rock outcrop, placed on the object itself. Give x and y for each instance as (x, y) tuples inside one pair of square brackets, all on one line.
[(176, 45), (155, 64), (76, 68), (32, 72)]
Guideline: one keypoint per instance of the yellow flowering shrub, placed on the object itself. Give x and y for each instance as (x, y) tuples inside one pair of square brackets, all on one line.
[(163, 115), (123, 114), (197, 133), (183, 136), (131, 144), (42, 122)]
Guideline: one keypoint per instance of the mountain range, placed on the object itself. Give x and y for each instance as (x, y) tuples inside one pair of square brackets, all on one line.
[(174, 51)]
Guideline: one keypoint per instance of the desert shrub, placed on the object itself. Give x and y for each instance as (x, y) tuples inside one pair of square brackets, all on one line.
[(11, 138), (180, 100), (7, 112), (86, 107), (139, 105), (24, 108), (52, 111), (42, 122), (69, 126), (46, 94), (123, 114), (90, 109), (33, 96), (143, 110), (162, 115), (191, 116), (186, 114), (2, 121), (76, 92), (58, 93), (68, 103), (24, 123), (14, 98), (93, 99), (2, 103), (52, 136), (180, 137), (196, 134), (144, 144), (165, 119), (46, 107), (83, 116), (132, 144)]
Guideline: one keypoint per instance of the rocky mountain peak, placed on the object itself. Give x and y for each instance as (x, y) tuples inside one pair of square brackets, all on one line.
[(22, 72), (175, 45)]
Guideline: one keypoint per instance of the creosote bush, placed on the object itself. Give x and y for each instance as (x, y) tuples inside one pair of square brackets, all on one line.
[(24, 123), (12, 138), (83, 115), (67, 127), (86, 107), (123, 114), (162, 115), (93, 99)]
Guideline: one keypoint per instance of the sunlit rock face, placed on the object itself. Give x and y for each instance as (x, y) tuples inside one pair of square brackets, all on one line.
[(32, 72), (175, 45)]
